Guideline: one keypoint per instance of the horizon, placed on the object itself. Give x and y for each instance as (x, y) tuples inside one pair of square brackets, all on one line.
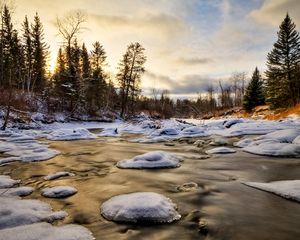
[(188, 46)]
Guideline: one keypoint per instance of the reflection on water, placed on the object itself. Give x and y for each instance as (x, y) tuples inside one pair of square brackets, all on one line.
[(220, 208)]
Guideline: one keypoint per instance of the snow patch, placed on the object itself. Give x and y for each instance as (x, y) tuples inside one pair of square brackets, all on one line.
[(284, 136), (7, 182), (58, 175), (19, 191), (220, 150), (71, 134), (140, 207), (58, 191)]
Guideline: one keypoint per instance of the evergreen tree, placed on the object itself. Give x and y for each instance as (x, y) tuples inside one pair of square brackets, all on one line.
[(40, 54), (28, 54), (254, 92), (281, 84), (85, 62), (129, 76)]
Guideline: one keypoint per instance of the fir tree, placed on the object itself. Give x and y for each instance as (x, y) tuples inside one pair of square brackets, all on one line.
[(40, 54), (281, 90), (254, 92)]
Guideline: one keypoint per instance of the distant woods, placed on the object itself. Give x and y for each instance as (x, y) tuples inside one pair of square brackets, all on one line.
[(81, 85)]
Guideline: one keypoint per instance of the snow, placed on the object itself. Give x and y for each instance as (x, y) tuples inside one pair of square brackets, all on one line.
[(220, 150), (297, 140), (140, 207), (58, 175), (109, 132), (15, 212), (243, 143), (7, 182), (155, 159), (166, 131), (45, 231), (285, 136), (230, 122), (274, 149), (58, 191), (289, 189), (70, 134), (194, 131), (26, 151), (19, 191), (219, 141)]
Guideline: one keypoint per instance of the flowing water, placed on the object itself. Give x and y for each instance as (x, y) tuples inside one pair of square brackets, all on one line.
[(221, 208)]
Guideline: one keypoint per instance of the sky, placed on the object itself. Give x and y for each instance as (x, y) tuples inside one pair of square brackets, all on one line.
[(190, 44)]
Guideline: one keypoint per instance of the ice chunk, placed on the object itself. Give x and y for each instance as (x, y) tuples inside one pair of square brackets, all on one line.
[(58, 175), (15, 212), (140, 207), (220, 150), (155, 159), (45, 231), (70, 134), (7, 182), (287, 189), (274, 149), (285, 136), (59, 191), (19, 191)]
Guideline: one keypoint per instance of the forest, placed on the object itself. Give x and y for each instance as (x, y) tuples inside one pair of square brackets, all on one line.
[(81, 88)]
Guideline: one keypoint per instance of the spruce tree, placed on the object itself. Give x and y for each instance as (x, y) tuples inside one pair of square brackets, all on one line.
[(281, 83), (254, 92), (85, 62), (40, 54)]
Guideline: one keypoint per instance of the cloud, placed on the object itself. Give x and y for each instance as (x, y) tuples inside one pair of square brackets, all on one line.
[(193, 61)]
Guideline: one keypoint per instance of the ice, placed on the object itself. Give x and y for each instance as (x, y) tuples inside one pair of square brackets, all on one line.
[(26, 151), (18, 191), (109, 132), (58, 175), (45, 231), (166, 131), (58, 191), (230, 122), (287, 189), (274, 149), (70, 134), (194, 131), (219, 141), (157, 139), (15, 212), (297, 140), (155, 159), (220, 150), (17, 137), (243, 143), (7, 182), (140, 207), (285, 136)]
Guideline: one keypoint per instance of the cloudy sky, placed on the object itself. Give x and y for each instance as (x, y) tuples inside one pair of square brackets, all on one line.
[(189, 43)]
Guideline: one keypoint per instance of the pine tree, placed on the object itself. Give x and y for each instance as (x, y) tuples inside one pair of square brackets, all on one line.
[(28, 54), (40, 54), (254, 92), (85, 62), (131, 68), (281, 90)]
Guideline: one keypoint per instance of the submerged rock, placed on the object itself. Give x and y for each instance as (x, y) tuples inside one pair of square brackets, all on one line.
[(156, 159), (186, 187), (59, 191), (140, 207)]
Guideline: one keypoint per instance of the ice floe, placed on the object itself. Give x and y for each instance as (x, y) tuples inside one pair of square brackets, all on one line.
[(58, 175), (58, 191), (140, 207), (220, 150), (274, 149), (45, 231), (289, 189), (18, 191), (155, 159), (7, 181), (70, 134)]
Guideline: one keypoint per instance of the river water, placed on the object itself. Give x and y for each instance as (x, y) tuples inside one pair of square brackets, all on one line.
[(221, 208)]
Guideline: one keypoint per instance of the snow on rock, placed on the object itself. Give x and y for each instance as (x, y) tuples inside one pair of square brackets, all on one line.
[(219, 141), (59, 191), (243, 143), (70, 134), (18, 191), (274, 149), (166, 131), (155, 159), (194, 131), (140, 207), (7, 182), (18, 137), (109, 132), (45, 231), (15, 212), (287, 189), (26, 151), (230, 122), (297, 140), (58, 175), (284, 136), (220, 150)]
